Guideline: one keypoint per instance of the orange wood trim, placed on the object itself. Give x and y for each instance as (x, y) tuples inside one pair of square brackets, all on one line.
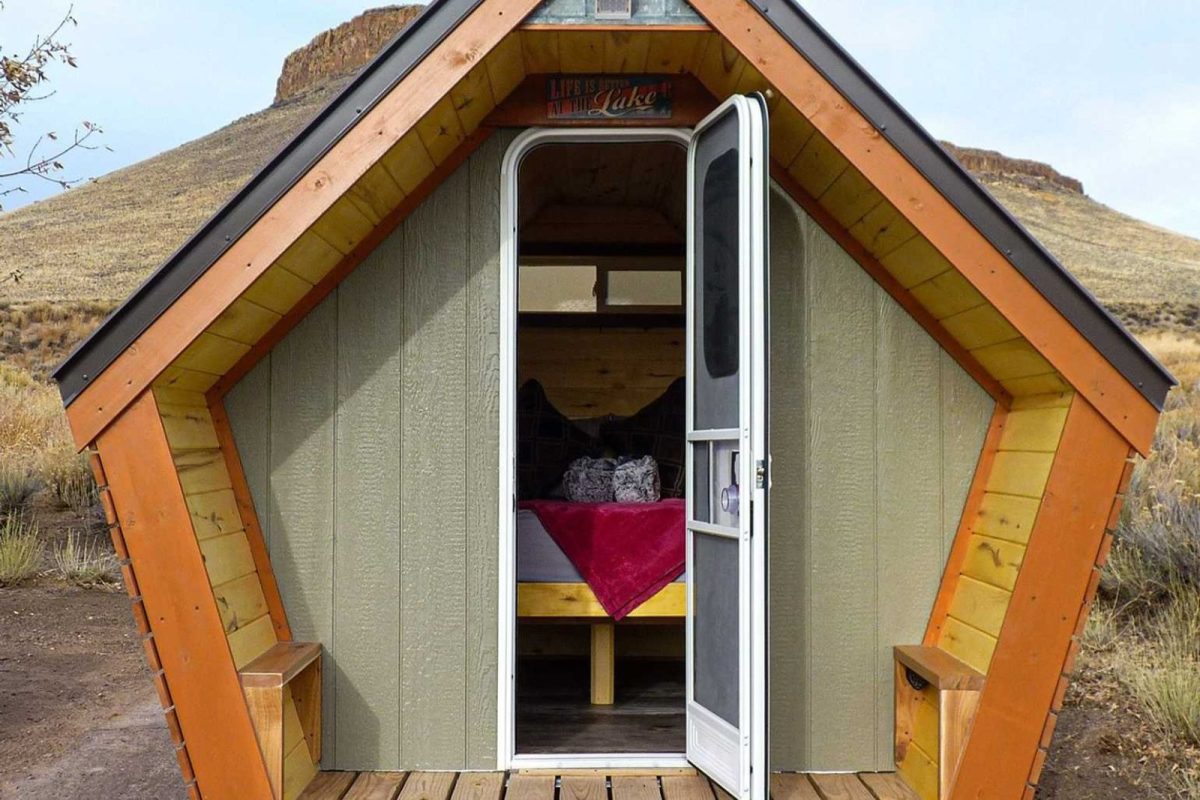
[(627, 28), (889, 284), (247, 258), (249, 515), (988, 270), (525, 107), (191, 643), (962, 537), (1035, 640), (347, 265)]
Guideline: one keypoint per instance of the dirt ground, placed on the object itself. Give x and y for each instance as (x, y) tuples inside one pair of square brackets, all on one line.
[(79, 717)]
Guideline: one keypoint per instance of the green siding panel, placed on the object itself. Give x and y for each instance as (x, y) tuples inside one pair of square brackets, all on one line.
[(875, 435)]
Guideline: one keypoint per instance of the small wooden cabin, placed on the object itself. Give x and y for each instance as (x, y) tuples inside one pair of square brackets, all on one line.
[(891, 432)]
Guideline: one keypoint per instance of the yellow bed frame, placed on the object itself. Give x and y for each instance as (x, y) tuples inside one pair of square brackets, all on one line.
[(577, 601)]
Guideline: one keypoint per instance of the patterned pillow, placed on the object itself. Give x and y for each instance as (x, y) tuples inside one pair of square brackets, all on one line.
[(636, 481), (546, 443), (656, 430), (590, 480)]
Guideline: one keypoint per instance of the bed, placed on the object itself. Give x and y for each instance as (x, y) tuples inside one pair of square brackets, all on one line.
[(550, 587)]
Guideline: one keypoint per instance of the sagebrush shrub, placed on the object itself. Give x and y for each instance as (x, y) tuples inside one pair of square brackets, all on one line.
[(20, 550)]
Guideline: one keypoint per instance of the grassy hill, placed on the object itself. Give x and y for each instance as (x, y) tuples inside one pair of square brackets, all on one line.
[(98, 241)]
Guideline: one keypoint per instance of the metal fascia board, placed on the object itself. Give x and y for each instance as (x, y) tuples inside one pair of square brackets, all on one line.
[(201, 251), (972, 200)]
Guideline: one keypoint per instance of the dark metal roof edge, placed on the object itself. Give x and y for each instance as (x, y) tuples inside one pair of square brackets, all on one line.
[(1073, 300), (156, 294)]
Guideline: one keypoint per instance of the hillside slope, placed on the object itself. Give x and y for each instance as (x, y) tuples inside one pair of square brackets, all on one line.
[(98, 241)]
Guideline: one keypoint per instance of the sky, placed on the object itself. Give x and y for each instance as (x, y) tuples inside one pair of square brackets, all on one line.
[(1106, 92)]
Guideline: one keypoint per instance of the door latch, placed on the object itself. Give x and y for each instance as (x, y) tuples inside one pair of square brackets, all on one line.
[(760, 474)]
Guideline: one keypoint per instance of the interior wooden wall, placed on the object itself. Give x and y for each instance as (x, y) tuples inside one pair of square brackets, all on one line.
[(369, 441), (875, 435), (593, 372)]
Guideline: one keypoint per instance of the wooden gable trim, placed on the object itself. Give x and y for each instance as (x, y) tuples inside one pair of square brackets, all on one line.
[(178, 602), (246, 259), (987, 269), (889, 284), (1035, 643)]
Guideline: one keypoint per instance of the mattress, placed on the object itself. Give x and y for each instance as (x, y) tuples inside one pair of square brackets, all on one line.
[(539, 559)]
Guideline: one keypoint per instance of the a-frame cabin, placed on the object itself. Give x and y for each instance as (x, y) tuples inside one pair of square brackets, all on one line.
[(703, 231)]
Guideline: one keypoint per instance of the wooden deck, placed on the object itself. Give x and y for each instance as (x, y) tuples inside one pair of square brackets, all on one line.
[(591, 785)]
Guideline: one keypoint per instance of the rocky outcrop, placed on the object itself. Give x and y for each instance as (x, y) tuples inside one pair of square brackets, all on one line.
[(339, 51), (988, 165)]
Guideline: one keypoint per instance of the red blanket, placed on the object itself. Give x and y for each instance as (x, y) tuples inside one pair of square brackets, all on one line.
[(626, 552)]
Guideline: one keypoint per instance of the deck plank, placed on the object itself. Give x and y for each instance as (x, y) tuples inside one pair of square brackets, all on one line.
[(629, 787), (888, 786), (328, 786), (376, 786), (841, 787), (479, 786), (792, 786), (582, 788), (530, 787), (428, 786), (686, 787)]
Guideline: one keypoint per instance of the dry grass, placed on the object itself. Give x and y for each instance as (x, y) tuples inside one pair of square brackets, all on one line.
[(20, 550), (85, 564)]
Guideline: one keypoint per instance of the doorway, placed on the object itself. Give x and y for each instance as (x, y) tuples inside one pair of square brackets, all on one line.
[(593, 314)]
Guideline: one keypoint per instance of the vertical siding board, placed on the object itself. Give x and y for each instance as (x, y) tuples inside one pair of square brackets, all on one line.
[(433, 491), (787, 540), (842, 496), (248, 406), (482, 454), (966, 412), (303, 370), (367, 542), (909, 497)]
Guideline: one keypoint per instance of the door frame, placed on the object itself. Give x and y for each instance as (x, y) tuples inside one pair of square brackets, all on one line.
[(506, 756)]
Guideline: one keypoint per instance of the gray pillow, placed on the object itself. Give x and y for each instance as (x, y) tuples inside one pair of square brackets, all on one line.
[(589, 480), (635, 480)]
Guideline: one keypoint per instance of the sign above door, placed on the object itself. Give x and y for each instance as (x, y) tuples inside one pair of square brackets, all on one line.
[(601, 97)]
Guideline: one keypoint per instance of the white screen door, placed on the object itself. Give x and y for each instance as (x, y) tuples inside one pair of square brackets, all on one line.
[(727, 454)]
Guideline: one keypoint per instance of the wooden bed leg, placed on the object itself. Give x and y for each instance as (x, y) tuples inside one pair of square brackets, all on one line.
[(603, 668)]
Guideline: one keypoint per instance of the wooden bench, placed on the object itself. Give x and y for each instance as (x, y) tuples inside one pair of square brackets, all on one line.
[(936, 699), (289, 670)]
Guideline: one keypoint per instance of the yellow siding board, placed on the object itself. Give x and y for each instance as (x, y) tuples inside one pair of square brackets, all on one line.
[(790, 131), (244, 321), (882, 230), (174, 377), (408, 162), (293, 731), (1034, 429), (211, 354), (278, 289), (947, 294), (540, 49), (441, 131), (227, 557), (925, 725), (818, 165), (1006, 516), (915, 262), (214, 513), (376, 194), (176, 396), (310, 257), (505, 67), (979, 327), (298, 771), (252, 640), (344, 225), (753, 81), (240, 602), (581, 51), (674, 52), (202, 471), (850, 197), (1020, 473), (980, 604), (921, 772), (995, 562), (1035, 384), (472, 98), (1050, 400), (1013, 359), (967, 644), (626, 51)]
